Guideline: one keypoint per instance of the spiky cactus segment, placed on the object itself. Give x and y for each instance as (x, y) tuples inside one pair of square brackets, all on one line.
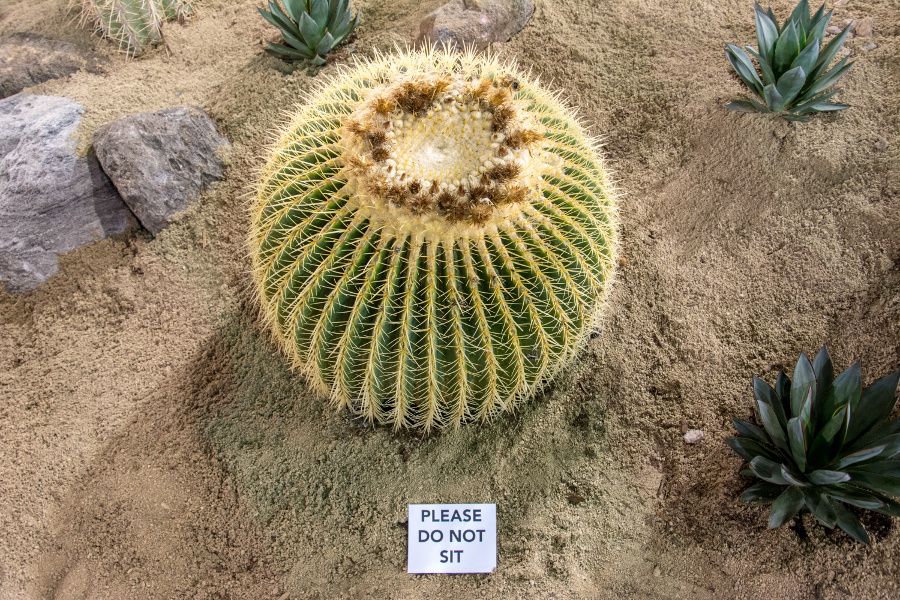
[(434, 234), (135, 25)]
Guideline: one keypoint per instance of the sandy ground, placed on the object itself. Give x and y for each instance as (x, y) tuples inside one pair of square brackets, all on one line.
[(154, 444)]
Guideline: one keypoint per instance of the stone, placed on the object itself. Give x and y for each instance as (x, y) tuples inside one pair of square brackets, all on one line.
[(864, 27), (161, 161), (475, 22), (51, 199), (869, 46), (833, 30), (693, 436), (28, 59)]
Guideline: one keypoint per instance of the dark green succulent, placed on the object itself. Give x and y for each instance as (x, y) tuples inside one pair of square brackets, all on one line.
[(310, 29), (794, 79), (825, 443)]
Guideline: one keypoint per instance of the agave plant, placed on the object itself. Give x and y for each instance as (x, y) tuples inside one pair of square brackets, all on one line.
[(794, 79), (825, 443), (310, 29)]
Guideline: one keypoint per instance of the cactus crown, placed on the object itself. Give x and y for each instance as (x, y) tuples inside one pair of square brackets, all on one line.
[(135, 25), (432, 238)]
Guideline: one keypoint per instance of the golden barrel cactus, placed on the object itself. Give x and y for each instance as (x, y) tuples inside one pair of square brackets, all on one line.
[(434, 235)]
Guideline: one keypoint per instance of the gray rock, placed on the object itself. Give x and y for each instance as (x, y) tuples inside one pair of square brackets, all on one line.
[(51, 199), (28, 59), (160, 161), (475, 22)]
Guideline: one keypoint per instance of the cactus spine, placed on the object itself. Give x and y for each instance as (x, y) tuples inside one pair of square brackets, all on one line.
[(135, 25), (433, 236)]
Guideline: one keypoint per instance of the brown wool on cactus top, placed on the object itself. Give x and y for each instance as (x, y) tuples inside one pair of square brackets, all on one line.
[(437, 145)]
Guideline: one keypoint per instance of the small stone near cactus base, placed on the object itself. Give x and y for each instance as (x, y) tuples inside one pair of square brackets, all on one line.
[(475, 22), (51, 199), (693, 436), (161, 161), (28, 59)]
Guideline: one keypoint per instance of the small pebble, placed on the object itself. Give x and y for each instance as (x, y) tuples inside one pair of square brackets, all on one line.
[(864, 27), (833, 29), (693, 436), (869, 46)]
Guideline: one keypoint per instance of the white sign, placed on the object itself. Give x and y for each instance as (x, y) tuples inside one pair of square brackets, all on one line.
[(452, 538)]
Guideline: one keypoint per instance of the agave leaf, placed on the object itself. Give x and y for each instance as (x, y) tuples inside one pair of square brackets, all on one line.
[(743, 66), (848, 522), (294, 8), (797, 439), (785, 507), (847, 390), (767, 75), (818, 24), (297, 44), (767, 470), (817, 16), (277, 11), (859, 456), (773, 425), (766, 32), (772, 18), (748, 429), (748, 449), (800, 14), (762, 391), (856, 497), (829, 106), (278, 20), (807, 58), (342, 11), (889, 506), (888, 485), (326, 44), (831, 77), (791, 477), (890, 468), (312, 31), (773, 98), (824, 370), (891, 445), (783, 390), (829, 52), (786, 48), (805, 105), (820, 506), (789, 86), (804, 379), (286, 52), (826, 477), (761, 491), (875, 405), (823, 449), (319, 11), (345, 28)]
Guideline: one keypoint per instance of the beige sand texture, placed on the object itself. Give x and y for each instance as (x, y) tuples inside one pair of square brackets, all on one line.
[(154, 443)]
